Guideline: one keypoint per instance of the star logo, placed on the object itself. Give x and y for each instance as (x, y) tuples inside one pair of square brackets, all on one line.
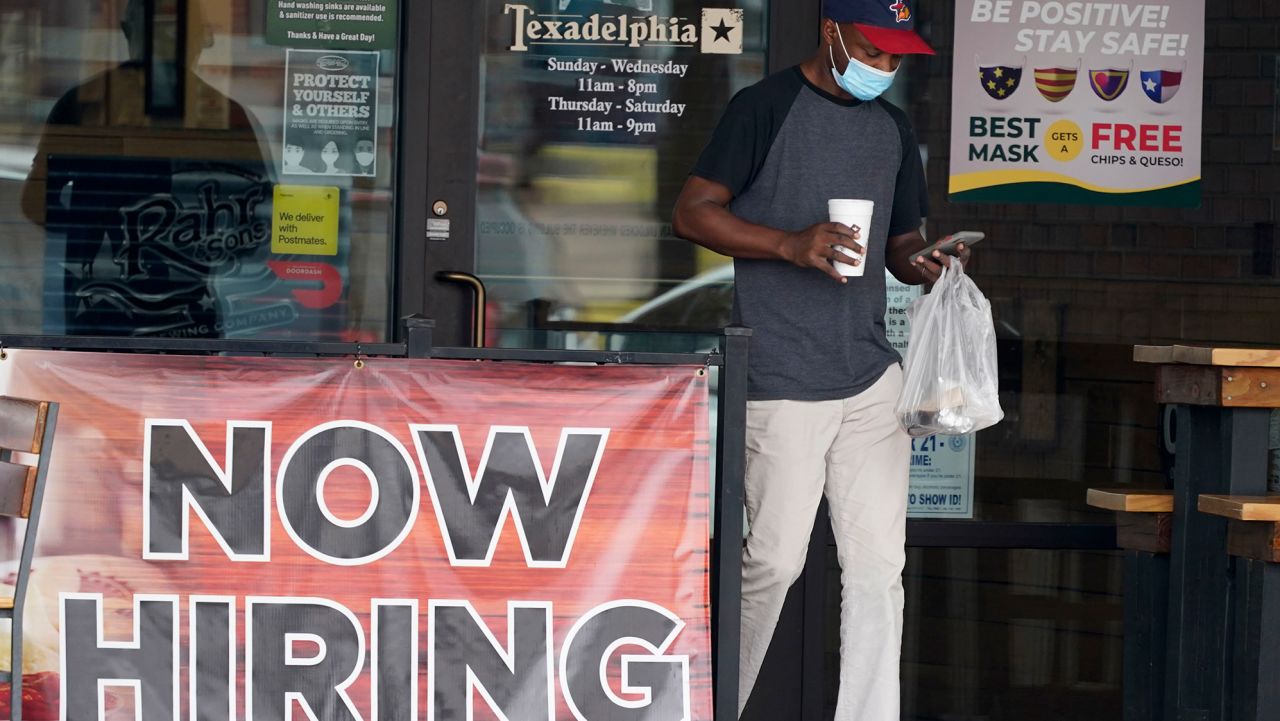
[(1151, 85), (722, 31)]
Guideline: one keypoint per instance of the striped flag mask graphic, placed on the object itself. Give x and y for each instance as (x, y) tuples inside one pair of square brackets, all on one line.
[(1056, 83)]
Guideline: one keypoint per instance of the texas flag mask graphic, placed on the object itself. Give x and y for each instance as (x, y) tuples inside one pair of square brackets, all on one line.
[(1109, 84), (1056, 83), (1161, 85), (999, 81)]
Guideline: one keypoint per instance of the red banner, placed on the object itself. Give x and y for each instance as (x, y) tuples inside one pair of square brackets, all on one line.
[(271, 538)]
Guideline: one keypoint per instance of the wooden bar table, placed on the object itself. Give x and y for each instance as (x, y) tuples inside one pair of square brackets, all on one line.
[(1223, 399)]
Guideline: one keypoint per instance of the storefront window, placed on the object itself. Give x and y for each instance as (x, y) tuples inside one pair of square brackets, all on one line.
[(587, 136), (1074, 287), (1010, 635), (194, 169)]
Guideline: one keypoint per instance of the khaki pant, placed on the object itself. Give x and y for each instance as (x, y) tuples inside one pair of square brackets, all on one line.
[(852, 451)]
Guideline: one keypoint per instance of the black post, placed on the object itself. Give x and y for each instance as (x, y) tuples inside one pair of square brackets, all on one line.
[(1256, 653), (1146, 605), (726, 588), (1219, 451), (417, 336)]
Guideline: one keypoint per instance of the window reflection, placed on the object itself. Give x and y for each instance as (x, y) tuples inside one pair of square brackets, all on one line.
[(141, 239), (575, 204), (142, 156), (1011, 634)]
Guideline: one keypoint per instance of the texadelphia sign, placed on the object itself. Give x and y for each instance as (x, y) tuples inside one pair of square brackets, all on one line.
[(306, 539), (717, 30)]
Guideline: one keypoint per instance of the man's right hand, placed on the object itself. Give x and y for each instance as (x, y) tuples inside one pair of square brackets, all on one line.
[(702, 215), (816, 247)]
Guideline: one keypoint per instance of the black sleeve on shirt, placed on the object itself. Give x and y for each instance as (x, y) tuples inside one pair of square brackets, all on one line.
[(911, 194), (740, 143)]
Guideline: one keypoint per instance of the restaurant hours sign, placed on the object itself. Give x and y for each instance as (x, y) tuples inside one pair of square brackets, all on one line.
[(612, 96)]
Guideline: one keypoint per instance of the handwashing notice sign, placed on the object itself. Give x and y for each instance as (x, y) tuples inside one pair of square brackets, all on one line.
[(332, 24)]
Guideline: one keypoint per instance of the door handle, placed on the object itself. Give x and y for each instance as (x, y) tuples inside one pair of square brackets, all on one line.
[(479, 300)]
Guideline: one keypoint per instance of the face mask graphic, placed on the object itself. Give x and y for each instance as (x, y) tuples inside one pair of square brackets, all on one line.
[(1161, 85), (859, 79), (1000, 81), (1109, 83), (364, 158), (1056, 83)]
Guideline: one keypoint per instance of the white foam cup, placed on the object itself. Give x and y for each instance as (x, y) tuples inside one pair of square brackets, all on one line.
[(855, 214)]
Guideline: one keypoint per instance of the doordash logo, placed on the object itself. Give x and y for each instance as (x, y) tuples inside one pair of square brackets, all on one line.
[(720, 31)]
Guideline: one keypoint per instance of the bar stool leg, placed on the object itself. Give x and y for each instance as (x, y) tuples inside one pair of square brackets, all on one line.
[(1217, 453), (1146, 608), (1256, 643)]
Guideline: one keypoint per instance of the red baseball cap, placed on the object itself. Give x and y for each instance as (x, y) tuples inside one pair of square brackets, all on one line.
[(890, 25)]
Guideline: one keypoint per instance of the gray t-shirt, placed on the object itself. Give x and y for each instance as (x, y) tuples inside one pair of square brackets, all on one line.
[(784, 147)]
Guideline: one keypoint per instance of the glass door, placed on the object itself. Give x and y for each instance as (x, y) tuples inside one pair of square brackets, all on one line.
[(591, 114)]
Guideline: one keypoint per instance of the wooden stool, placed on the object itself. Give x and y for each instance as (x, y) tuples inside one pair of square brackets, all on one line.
[(1144, 530)]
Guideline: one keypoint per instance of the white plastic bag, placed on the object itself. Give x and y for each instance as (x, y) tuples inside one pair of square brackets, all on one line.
[(950, 384)]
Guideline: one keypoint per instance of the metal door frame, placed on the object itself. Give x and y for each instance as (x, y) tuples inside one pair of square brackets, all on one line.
[(441, 42)]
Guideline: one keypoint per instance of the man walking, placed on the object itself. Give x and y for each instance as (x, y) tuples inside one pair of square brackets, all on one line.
[(822, 377)]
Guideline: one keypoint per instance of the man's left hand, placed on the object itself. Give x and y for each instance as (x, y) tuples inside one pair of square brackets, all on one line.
[(930, 266)]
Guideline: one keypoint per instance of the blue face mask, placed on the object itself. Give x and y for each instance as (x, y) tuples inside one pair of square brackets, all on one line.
[(859, 79)]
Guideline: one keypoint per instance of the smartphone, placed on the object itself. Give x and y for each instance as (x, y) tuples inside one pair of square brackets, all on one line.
[(948, 244)]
